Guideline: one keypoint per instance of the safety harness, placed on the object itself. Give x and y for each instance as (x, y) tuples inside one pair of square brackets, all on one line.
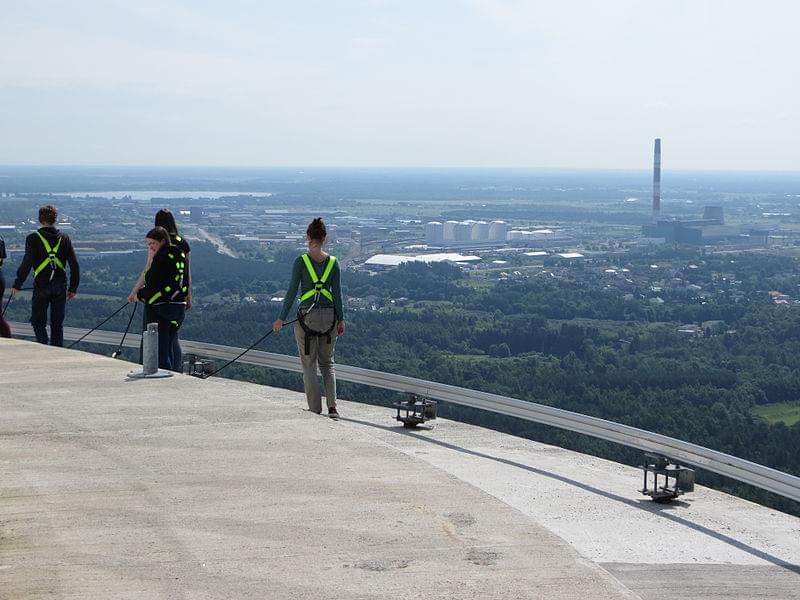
[(173, 292), (52, 259), (318, 290)]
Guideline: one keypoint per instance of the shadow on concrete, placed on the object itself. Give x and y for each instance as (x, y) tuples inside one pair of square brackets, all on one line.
[(661, 510)]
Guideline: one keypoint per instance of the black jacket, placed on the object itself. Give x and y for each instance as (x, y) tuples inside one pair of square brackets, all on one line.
[(35, 254), (161, 274)]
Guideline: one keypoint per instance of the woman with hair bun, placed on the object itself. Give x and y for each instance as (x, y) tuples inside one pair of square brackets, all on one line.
[(320, 316)]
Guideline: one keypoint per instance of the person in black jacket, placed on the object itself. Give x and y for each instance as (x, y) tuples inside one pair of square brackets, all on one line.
[(164, 292), (5, 328), (165, 219), (48, 252)]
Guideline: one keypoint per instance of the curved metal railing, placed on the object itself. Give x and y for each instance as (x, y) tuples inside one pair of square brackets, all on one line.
[(772, 480)]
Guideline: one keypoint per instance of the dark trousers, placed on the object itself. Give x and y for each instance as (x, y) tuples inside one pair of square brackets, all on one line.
[(177, 354), (5, 329), (164, 315), (53, 297)]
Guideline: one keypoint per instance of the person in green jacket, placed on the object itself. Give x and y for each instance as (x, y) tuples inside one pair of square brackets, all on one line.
[(320, 316)]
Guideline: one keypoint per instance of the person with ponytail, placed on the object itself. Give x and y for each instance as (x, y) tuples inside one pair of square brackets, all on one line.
[(164, 292), (320, 316), (166, 220)]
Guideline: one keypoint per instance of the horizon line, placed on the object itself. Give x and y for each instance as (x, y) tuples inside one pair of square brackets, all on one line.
[(396, 168)]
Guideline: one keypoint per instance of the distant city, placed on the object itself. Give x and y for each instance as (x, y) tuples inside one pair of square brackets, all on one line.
[(503, 222)]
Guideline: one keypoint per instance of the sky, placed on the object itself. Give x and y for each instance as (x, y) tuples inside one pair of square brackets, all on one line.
[(401, 83)]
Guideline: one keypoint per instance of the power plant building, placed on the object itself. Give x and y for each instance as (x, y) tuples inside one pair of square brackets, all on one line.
[(657, 181)]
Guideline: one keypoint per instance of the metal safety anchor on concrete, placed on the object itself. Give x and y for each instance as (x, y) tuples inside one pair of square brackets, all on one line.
[(150, 368), (196, 366), (416, 410), (682, 478)]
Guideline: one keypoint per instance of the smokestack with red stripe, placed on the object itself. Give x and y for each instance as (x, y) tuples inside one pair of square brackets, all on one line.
[(657, 181)]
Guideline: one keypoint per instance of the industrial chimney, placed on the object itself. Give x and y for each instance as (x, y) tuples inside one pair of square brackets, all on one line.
[(657, 181)]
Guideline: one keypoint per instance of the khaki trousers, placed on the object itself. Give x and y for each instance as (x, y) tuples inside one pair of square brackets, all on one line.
[(320, 353)]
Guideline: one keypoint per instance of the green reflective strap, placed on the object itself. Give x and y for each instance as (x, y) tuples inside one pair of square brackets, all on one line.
[(318, 282), (313, 292), (48, 262), (328, 269), (154, 297), (310, 268), (46, 244), (38, 269), (51, 259)]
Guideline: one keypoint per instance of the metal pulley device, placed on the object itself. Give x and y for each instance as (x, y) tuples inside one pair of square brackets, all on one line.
[(415, 410), (670, 480), (196, 366)]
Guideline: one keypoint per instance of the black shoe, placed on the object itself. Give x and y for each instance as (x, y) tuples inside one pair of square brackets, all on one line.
[(333, 413)]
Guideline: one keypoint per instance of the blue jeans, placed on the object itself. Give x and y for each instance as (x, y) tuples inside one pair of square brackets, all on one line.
[(164, 315), (53, 296)]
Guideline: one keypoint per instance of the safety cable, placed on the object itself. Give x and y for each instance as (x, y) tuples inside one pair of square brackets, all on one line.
[(100, 325), (5, 306), (262, 338), (118, 352), (10, 298), (233, 360)]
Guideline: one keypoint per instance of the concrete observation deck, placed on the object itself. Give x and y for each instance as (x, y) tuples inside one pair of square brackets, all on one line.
[(184, 488)]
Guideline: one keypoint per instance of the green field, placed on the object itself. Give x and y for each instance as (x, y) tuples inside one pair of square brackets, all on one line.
[(787, 412)]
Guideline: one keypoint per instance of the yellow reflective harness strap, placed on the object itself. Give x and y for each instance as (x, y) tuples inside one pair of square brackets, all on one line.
[(317, 281), (52, 260), (167, 294)]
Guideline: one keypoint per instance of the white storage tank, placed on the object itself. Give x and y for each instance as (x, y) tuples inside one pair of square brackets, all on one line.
[(463, 231), (498, 230), (450, 230), (480, 231), (434, 231), (514, 235)]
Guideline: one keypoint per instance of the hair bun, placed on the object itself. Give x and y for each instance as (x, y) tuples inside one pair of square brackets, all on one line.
[(317, 230)]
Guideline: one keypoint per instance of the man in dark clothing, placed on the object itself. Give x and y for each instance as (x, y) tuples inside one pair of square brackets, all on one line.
[(47, 252), (5, 328)]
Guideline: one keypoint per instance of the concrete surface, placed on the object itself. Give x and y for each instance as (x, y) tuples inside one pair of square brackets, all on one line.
[(183, 488)]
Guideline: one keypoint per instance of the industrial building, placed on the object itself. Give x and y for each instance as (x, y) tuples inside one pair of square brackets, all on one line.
[(710, 229), (461, 232)]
